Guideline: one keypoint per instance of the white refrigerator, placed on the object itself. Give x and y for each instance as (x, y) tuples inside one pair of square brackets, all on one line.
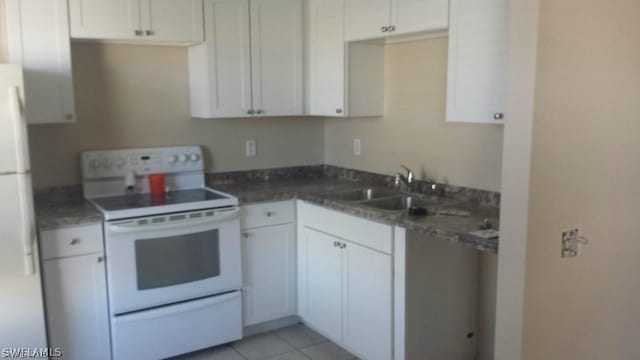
[(22, 323)]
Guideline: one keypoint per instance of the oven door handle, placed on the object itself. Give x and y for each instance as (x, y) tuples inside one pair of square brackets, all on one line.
[(134, 226)]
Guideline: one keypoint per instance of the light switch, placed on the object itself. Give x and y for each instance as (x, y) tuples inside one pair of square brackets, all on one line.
[(357, 147)]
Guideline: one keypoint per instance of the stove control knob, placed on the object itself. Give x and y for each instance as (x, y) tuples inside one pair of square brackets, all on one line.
[(183, 158), (94, 164), (106, 163), (194, 157), (172, 159), (120, 163)]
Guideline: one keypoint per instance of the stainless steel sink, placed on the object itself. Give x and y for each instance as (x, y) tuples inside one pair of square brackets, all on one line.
[(400, 203), (364, 194)]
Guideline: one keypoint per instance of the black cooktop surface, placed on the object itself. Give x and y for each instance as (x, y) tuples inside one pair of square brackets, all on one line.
[(138, 201)]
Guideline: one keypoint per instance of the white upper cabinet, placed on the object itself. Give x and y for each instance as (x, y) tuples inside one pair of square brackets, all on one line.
[(411, 16), (105, 19), (38, 39), (276, 57), (367, 19), (343, 80), (173, 21), (164, 21), (220, 69), (251, 63), (370, 19), (476, 87), (326, 88)]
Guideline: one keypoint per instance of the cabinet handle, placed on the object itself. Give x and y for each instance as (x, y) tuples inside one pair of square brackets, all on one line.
[(260, 112), (498, 116), (250, 112), (245, 235), (100, 259), (384, 28), (336, 244), (75, 241), (343, 245), (270, 213), (68, 117), (338, 111), (392, 28), (149, 33), (138, 32)]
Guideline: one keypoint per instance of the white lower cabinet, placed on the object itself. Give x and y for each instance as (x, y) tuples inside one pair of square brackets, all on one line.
[(345, 287), (75, 293), (269, 262), (367, 326), (324, 283)]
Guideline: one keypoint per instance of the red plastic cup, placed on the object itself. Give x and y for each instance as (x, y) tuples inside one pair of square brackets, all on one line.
[(156, 184)]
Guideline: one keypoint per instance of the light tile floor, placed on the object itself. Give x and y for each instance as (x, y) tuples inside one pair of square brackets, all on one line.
[(296, 342)]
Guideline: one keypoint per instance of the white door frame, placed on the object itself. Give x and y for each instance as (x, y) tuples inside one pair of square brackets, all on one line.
[(516, 167)]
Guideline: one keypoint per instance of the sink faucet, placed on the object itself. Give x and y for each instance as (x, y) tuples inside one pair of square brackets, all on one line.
[(408, 180)]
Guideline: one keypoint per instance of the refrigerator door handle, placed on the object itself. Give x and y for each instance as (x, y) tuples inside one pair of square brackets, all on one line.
[(24, 185), (19, 130)]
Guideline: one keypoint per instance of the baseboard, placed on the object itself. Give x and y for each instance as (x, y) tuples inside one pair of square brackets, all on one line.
[(271, 325)]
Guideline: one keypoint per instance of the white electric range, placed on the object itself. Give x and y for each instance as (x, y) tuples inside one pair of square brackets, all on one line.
[(173, 261)]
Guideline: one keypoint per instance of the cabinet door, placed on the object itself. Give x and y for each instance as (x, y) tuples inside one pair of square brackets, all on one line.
[(76, 306), (173, 21), (367, 302), (38, 39), (323, 283), (269, 273), (276, 53), (365, 19), (105, 19), (326, 58), (477, 61), (410, 16), (220, 69)]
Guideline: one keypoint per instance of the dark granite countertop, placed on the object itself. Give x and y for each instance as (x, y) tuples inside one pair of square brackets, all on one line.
[(438, 224), (65, 207)]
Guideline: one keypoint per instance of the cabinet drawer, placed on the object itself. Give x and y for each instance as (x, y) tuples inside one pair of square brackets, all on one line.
[(266, 214), (71, 241), (355, 229)]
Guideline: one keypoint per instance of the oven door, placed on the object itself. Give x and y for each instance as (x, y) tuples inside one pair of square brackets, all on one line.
[(165, 259)]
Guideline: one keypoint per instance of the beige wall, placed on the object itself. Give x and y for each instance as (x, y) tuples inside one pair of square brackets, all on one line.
[(414, 131), (135, 96), (585, 173)]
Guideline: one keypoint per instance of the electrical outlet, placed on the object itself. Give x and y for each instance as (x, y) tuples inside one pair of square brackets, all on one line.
[(250, 148), (357, 147)]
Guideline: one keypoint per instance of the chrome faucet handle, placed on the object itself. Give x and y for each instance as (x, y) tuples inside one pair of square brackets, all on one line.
[(410, 175)]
